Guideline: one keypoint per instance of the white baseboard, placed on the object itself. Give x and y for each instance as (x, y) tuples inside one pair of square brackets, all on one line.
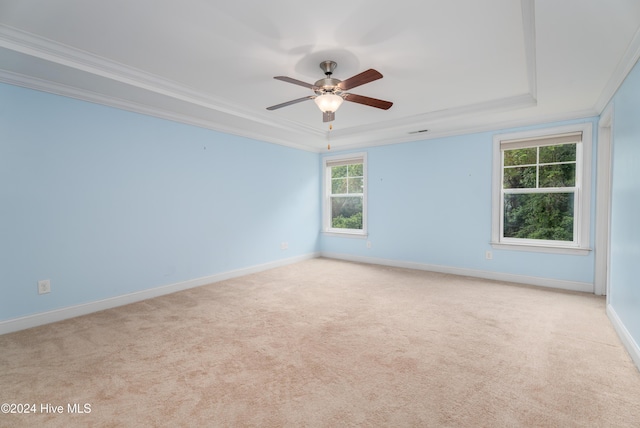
[(48, 317), (497, 276), (22, 323), (627, 340)]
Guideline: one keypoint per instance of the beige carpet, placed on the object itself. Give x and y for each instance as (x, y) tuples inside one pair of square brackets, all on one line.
[(335, 344)]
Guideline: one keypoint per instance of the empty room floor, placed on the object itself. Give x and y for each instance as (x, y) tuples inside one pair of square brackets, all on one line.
[(329, 343)]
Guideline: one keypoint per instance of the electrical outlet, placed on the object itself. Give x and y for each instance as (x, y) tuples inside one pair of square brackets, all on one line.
[(488, 255), (44, 286), (368, 244), (284, 245)]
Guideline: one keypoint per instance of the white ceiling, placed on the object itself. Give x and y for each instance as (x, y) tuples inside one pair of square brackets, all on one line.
[(450, 67)]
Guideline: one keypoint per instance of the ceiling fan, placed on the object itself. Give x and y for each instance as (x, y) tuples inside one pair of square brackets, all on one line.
[(330, 92)]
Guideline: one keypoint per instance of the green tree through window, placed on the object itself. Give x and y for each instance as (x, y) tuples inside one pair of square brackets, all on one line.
[(347, 186), (539, 192)]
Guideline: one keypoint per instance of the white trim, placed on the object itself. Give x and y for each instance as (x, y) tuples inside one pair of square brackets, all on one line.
[(627, 340), (29, 321), (123, 104), (583, 169), (42, 48), (495, 276), (603, 197), (455, 129), (347, 233), (427, 119), (541, 248), (39, 47), (628, 61)]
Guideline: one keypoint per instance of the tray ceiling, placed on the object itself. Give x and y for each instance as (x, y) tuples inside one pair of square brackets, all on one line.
[(449, 67)]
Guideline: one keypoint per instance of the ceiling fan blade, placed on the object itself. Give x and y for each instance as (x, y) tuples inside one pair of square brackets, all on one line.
[(360, 79), (288, 103), (373, 102), (294, 81)]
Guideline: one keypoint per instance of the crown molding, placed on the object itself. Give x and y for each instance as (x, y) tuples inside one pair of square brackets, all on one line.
[(428, 119), (628, 61), (507, 103), (55, 88), (279, 130), (581, 115), (45, 49), (100, 68)]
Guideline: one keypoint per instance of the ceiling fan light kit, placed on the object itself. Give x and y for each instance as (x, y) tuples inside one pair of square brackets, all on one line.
[(328, 102), (330, 92)]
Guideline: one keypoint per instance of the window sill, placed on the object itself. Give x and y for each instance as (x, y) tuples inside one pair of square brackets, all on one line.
[(346, 233), (581, 251)]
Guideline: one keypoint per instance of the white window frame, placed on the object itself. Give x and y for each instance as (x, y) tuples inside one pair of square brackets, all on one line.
[(327, 163), (582, 210)]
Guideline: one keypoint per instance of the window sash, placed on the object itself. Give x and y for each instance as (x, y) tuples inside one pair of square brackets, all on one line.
[(539, 166), (542, 191), (531, 143), (329, 196)]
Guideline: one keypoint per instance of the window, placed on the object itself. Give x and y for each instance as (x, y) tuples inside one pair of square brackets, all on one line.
[(345, 194), (541, 190)]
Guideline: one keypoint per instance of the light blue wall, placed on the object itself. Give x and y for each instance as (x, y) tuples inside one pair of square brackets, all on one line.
[(106, 202), (429, 202), (624, 287)]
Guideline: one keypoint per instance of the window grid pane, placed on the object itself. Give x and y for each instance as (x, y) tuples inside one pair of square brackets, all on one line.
[(355, 185), (520, 177), (559, 153), (339, 171), (526, 156), (557, 175), (338, 185)]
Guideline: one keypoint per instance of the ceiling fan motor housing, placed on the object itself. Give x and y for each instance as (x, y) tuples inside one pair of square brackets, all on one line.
[(328, 85)]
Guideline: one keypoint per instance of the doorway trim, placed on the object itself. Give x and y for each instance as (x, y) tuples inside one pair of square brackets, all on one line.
[(603, 205)]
